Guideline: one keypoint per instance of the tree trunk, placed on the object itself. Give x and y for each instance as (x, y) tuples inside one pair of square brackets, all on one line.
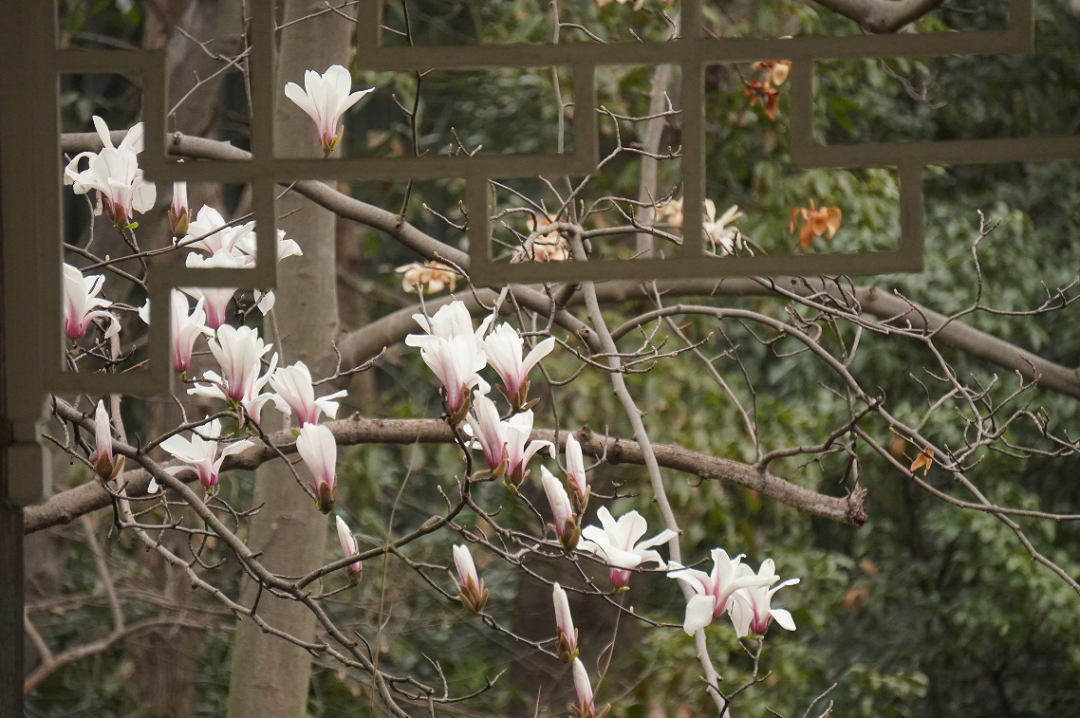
[(270, 676)]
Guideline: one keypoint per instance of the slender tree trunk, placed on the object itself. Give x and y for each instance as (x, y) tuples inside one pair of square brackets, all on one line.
[(270, 677)]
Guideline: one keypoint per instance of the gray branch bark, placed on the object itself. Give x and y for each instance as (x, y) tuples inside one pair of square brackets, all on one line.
[(67, 506)]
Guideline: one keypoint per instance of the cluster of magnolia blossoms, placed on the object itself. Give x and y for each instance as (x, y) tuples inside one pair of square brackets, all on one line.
[(456, 352)]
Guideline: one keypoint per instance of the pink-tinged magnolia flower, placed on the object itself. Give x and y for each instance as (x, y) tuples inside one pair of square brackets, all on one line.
[(713, 591), (239, 352), (453, 320), (179, 213), (750, 609), (202, 453), (455, 362), (585, 707), (503, 348), (318, 449), (186, 328), (471, 591), (114, 175), (575, 475), (81, 303), (455, 352), (296, 395), (566, 643), (565, 522), (106, 464), (504, 442), (217, 298), (617, 543), (325, 98), (210, 233), (248, 244), (348, 547)]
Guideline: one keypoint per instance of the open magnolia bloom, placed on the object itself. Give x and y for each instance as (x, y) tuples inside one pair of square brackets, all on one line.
[(713, 591), (82, 303), (217, 298), (114, 175), (318, 448), (295, 394), (239, 352), (471, 591), (348, 547), (455, 361), (724, 240), (106, 464), (210, 233), (617, 543), (450, 321), (750, 609), (202, 453), (504, 347), (186, 328), (325, 98)]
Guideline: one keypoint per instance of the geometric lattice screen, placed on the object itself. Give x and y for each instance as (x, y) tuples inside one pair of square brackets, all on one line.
[(32, 184)]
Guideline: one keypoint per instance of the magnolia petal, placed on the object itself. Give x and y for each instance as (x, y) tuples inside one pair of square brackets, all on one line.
[(699, 613), (783, 617)]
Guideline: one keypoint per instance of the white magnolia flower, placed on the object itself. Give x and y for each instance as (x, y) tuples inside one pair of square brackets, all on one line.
[(248, 244), (349, 548), (325, 98), (82, 303), (217, 298), (114, 175), (575, 475), (503, 348), (210, 233), (751, 610), (585, 707), (452, 320), (202, 453), (565, 522), (179, 212), (186, 328), (296, 394), (471, 591), (504, 442), (566, 642), (724, 239), (618, 544), (239, 353), (318, 448), (455, 362), (106, 463), (713, 591)]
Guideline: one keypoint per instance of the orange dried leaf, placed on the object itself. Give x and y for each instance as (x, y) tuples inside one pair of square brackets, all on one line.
[(923, 461)]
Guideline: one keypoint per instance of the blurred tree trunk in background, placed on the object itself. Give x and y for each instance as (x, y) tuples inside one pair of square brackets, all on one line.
[(270, 677)]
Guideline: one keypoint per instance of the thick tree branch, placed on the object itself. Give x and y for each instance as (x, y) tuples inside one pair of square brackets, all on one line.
[(69, 505), (881, 16), (363, 344)]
